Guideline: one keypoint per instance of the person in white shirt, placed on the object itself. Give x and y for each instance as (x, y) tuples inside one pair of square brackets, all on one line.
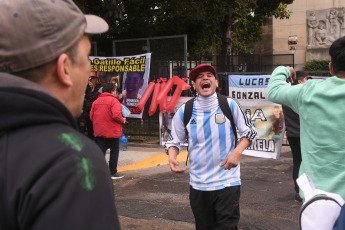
[(214, 158)]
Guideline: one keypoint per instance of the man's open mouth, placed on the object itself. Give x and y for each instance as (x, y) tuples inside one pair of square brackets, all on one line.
[(205, 85)]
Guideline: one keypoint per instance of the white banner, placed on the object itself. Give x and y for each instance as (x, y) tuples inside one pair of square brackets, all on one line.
[(267, 117)]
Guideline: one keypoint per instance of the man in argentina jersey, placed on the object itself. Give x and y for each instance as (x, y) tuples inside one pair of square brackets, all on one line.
[(214, 159)]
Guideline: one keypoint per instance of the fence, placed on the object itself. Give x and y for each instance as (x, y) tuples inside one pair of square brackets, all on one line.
[(149, 125), (169, 57)]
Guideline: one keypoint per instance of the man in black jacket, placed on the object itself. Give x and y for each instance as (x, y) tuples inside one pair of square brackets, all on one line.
[(51, 175)]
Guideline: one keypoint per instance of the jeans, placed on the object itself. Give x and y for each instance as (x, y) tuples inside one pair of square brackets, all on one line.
[(113, 144)]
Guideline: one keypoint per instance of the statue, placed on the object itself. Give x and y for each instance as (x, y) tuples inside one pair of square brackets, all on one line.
[(312, 24), (321, 33), (334, 29), (341, 20)]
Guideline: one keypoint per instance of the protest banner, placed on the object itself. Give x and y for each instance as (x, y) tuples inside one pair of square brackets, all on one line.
[(131, 74), (267, 117)]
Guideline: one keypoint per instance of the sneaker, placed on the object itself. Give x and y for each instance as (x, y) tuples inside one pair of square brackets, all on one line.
[(298, 198), (117, 176)]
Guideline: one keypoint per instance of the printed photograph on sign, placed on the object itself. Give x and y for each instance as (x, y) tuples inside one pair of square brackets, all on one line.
[(133, 87), (269, 124)]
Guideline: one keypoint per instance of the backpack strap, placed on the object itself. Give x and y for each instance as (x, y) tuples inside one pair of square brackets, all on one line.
[(188, 110), (306, 185), (224, 106)]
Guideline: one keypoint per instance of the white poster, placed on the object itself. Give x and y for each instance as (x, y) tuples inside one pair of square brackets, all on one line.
[(267, 117)]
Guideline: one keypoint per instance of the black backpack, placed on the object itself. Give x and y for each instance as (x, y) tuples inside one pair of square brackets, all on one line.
[(224, 106)]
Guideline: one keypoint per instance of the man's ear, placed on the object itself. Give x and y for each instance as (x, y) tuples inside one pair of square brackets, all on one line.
[(331, 70), (193, 85), (64, 68)]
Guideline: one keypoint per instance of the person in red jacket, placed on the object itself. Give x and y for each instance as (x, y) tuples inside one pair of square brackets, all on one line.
[(107, 119)]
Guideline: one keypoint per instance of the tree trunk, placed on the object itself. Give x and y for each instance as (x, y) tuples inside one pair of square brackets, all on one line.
[(226, 43)]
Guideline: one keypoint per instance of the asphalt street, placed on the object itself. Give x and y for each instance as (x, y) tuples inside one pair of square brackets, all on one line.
[(153, 197)]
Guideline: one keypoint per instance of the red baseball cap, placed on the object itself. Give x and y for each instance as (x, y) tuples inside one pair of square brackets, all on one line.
[(202, 68)]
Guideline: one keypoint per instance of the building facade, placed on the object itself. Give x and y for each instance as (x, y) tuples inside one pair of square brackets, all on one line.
[(308, 33)]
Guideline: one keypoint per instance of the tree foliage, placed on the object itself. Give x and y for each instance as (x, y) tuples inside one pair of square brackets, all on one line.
[(212, 26)]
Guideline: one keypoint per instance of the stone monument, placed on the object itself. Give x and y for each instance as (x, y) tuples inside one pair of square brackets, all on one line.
[(323, 27)]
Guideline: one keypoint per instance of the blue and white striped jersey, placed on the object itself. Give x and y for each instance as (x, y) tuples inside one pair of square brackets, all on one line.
[(210, 140)]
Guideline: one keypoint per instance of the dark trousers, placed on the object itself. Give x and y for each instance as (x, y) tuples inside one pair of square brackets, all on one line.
[(89, 127), (216, 209), (295, 145), (113, 144)]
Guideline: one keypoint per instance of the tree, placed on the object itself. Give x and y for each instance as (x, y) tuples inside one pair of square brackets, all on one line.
[(241, 21), (213, 26)]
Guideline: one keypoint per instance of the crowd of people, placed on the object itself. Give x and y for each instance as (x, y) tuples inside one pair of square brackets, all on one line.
[(57, 171), (102, 117)]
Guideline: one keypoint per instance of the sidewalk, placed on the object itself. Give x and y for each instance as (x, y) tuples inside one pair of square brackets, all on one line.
[(156, 198)]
